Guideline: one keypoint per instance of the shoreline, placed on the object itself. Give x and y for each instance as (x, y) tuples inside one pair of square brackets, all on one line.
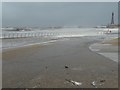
[(31, 44), (28, 45)]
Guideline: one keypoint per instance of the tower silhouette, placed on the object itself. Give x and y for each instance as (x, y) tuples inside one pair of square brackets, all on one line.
[(112, 19)]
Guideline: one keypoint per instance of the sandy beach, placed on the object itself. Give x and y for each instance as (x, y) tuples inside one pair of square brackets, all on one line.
[(57, 64)]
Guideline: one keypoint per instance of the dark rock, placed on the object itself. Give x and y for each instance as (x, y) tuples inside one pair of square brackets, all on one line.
[(102, 80), (66, 66)]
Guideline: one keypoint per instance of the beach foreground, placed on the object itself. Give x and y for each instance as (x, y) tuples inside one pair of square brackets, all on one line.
[(54, 65)]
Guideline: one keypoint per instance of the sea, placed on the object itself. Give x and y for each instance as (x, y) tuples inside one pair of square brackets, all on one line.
[(14, 39)]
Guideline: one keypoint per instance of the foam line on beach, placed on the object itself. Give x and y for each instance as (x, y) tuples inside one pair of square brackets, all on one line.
[(92, 49), (42, 43)]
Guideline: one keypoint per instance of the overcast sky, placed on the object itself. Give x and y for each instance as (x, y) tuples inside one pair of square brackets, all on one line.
[(33, 14)]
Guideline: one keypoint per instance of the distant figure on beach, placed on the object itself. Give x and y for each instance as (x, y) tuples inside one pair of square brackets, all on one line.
[(109, 31)]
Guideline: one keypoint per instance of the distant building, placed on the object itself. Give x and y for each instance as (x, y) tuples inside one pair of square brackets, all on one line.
[(112, 19), (112, 24)]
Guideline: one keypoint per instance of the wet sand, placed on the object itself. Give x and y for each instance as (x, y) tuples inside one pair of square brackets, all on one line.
[(107, 48), (44, 66), (115, 42)]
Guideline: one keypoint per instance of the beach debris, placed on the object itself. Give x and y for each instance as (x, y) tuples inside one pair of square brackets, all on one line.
[(74, 82), (94, 84), (66, 66), (102, 80), (97, 83), (35, 87)]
